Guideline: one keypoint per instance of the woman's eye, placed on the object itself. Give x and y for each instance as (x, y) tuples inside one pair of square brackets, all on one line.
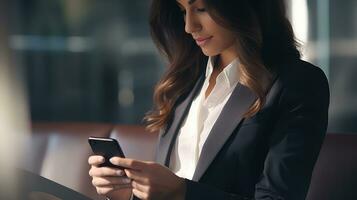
[(201, 9)]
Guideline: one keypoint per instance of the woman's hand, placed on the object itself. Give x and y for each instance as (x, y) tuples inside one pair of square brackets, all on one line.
[(151, 180), (110, 182)]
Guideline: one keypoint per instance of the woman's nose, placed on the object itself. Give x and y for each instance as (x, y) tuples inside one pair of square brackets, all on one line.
[(192, 24)]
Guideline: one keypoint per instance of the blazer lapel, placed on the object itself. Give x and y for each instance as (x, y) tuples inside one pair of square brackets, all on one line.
[(167, 138), (232, 114)]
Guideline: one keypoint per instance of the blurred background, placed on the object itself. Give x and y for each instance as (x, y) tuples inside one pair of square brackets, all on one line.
[(94, 61)]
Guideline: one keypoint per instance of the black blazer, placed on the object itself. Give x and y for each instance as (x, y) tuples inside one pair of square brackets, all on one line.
[(268, 156)]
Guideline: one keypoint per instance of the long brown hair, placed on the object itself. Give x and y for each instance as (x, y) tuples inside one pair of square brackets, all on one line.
[(264, 38)]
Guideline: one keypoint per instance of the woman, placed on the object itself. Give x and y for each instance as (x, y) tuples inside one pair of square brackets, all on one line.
[(240, 115)]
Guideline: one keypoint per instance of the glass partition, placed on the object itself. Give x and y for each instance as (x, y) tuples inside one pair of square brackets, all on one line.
[(328, 31), (87, 60)]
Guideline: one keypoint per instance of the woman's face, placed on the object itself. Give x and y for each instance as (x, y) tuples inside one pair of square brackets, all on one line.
[(212, 38)]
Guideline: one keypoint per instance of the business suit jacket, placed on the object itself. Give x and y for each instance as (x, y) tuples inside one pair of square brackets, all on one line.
[(270, 155)]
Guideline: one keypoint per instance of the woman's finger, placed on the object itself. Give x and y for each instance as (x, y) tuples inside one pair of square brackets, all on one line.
[(139, 186), (140, 194), (105, 171), (96, 160), (108, 181), (128, 163), (138, 176), (104, 190)]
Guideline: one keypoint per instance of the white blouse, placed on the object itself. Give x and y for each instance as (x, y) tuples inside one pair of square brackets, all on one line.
[(202, 116)]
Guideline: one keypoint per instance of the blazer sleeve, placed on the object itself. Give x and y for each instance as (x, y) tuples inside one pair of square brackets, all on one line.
[(294, 145)]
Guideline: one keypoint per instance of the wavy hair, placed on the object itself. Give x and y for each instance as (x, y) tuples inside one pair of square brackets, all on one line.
[(264, 39)]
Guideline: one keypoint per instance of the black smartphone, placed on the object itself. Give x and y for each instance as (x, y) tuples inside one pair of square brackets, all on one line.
[(106, 147)]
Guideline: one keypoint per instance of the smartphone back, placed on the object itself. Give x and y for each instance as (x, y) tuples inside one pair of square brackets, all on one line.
[(106, 147)]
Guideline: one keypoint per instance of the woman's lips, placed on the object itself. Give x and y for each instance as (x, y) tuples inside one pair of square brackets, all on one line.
[(202, 41)]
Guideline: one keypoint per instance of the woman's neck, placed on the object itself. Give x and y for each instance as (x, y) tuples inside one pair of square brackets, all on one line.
[(222, 62)]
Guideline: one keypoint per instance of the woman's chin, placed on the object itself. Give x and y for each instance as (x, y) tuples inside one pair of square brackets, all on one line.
[(208, 52)]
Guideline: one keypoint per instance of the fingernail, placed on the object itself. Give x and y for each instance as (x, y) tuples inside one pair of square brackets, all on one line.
[(120, 172), (127, 180)]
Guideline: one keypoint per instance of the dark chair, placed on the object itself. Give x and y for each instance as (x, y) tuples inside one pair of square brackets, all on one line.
[(35, 187), (335, 173)]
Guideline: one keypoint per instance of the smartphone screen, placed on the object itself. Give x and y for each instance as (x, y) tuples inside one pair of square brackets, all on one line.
[(106, 147)]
